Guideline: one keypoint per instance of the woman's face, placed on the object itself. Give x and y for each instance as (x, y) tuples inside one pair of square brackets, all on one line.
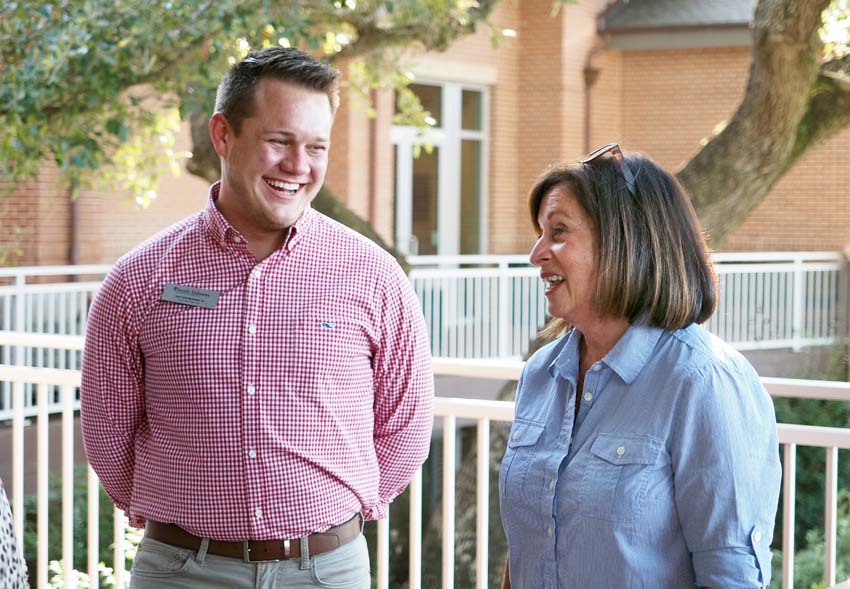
[(566, 254)]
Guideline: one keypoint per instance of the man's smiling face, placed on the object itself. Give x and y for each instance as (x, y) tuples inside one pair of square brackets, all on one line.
[(276, 164)]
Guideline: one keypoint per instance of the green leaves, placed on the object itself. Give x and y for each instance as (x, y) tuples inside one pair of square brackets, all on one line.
[(835, 32), (80, 79)]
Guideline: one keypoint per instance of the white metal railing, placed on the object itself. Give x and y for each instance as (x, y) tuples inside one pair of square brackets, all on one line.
[(780, 300), (493, 305), (67, 381), (449, 410), (44, 300), (767, 300), (45, 345), (480, 306)]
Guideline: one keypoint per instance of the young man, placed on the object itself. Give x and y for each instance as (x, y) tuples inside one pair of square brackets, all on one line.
[(257, 379)]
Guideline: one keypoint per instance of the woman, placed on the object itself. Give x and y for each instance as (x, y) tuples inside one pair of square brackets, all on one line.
[(643, 453), (13, 574)]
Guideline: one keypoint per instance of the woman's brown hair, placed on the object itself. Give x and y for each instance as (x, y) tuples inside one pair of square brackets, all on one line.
[(654, 264)]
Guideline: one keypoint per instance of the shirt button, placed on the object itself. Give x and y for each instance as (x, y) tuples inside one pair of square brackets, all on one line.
[(552, 484), (757, 536), (621, 450), (588, 396), (256, 274), (252, 329), (258, 512), (597, 367), (237, 239), (516, 435), (252, 454), (550, 531), (251, 389)]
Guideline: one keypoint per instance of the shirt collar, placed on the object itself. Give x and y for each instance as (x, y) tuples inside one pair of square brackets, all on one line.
[(627, 358), (220, 229), (630, 354), (565, 363)]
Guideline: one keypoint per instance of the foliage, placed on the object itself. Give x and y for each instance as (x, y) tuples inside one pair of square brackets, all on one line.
[(835, 32), (811, 462), (808, 562), (88, 84), (80, 518)]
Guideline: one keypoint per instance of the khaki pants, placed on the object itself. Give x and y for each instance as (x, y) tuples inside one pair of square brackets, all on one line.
[(162, 566)]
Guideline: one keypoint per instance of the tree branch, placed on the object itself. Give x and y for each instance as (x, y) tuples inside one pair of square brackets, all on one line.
[(168, 61), (828, 110), (371, 35), (758, 142)]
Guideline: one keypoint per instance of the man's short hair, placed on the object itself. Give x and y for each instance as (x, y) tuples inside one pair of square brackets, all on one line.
[(235, 96), (653, 262)]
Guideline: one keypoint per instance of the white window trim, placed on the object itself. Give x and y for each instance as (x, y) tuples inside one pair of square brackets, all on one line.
[(448, 139)]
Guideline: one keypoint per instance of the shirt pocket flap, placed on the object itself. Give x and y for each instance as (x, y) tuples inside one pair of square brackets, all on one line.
[(524, 433), (626, 449)]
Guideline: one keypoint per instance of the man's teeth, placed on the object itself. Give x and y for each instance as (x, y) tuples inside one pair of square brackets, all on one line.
[(287, 186), (553, 280)]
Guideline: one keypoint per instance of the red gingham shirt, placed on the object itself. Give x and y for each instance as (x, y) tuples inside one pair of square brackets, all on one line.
[(303, 397)]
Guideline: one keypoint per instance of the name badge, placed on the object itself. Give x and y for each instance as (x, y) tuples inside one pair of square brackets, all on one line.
[(189, 295)]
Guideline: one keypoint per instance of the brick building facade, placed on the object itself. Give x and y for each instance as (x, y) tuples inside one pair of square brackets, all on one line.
[(649, 76)]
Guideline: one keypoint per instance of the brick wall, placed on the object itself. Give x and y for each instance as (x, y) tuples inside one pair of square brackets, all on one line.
[(672, 102), (663, 102), (808, 210), (109, 224), (19, 220)]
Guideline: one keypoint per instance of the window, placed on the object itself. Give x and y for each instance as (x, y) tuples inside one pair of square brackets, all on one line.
[(440, 197)]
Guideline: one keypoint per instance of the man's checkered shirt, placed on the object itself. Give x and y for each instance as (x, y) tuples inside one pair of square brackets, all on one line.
[(303, 397)]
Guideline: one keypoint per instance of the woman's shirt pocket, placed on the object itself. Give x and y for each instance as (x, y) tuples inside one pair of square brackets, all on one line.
[(522, 449), (624, 472)]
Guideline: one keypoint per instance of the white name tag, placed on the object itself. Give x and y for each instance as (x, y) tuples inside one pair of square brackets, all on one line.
[(189, 295)]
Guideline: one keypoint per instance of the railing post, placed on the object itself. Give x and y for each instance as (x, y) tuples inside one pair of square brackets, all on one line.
[(67, 399), (482, 516), (415, 561), (118, 553), (789, 478), (830, 516), (449, 448), (20, 314), (504, 325), (93, 531), (18, 461), (383, 556), (798, 307), (42, 491)]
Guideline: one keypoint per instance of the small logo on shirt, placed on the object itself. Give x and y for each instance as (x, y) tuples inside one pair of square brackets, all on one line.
[(328, 325)]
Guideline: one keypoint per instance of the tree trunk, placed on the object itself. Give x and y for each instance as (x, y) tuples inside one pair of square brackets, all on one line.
[(738, 167)]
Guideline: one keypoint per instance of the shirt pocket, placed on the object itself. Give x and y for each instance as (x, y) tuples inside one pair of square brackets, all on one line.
[(328, 356), (619, 469), (519, 454)]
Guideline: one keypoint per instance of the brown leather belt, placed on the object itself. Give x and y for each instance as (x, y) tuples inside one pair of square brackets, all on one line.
[(258, 550)]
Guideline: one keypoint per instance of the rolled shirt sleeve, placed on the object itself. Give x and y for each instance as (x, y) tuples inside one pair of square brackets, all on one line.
[(404, 391), (727, 475), (112, 389)]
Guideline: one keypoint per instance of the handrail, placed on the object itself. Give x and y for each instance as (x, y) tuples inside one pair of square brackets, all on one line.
[(70, 270), (450, 410), (41, 340)]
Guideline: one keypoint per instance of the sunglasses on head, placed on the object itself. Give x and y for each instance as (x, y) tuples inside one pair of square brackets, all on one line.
[(614, 150)]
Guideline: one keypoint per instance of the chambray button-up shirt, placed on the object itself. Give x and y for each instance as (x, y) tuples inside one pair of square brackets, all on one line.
[(668, 478)]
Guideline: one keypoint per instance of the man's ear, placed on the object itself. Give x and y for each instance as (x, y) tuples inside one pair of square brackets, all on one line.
[(221, 133)]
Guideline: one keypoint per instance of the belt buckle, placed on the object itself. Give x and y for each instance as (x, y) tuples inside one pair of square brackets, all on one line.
[(246, 552)]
